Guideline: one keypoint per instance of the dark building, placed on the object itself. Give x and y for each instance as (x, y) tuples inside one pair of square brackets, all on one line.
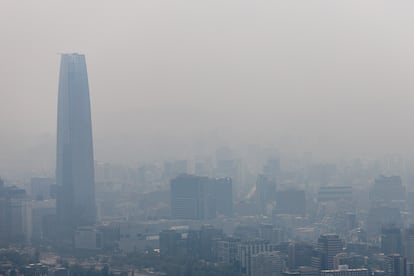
[(13, 215), (329, 245), (299, 254), (391, 240), (201, 243), (188, 197), (221, 193), (396, 265), (75, 177), (196, 197), (291, 202)]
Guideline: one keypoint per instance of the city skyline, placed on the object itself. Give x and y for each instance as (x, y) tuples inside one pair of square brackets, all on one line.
[(181, 138), (331, 79)]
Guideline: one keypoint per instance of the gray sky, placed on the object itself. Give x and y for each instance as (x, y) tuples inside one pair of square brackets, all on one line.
[(331, 77)]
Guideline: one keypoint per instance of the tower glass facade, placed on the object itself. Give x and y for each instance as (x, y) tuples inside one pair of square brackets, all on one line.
[(74, 152)]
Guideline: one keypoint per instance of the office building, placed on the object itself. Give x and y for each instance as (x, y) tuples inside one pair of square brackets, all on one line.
[(221, 194), (13, 215), (391, 240), (196, 197), (329, 245), (299, 254), (41, 210), (74, 152), (188, 197), (396, 265), (172, 243)]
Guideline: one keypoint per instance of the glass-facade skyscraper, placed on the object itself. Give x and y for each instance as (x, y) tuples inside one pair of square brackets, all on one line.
[(74, 152)]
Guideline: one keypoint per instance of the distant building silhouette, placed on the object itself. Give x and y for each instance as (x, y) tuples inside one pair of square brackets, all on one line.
[(265, 191), (291, 201), (13, 215), (196, 197), (387, 188)]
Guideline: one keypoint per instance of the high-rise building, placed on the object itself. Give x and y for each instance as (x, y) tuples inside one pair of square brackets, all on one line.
[(396, 265), (221, 192), (391, 240), (199, 197), (172, 243), (13, 215), (299, 254), (329, 245), (188, 197), (75, 177)]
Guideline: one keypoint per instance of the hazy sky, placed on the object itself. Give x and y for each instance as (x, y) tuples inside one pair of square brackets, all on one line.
[(331, 77)]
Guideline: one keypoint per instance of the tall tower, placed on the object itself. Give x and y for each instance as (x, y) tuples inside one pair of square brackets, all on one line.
[(74, 152)]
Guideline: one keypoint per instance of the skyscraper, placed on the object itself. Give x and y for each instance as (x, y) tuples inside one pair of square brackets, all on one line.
[(329, 245), (74, 153)]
